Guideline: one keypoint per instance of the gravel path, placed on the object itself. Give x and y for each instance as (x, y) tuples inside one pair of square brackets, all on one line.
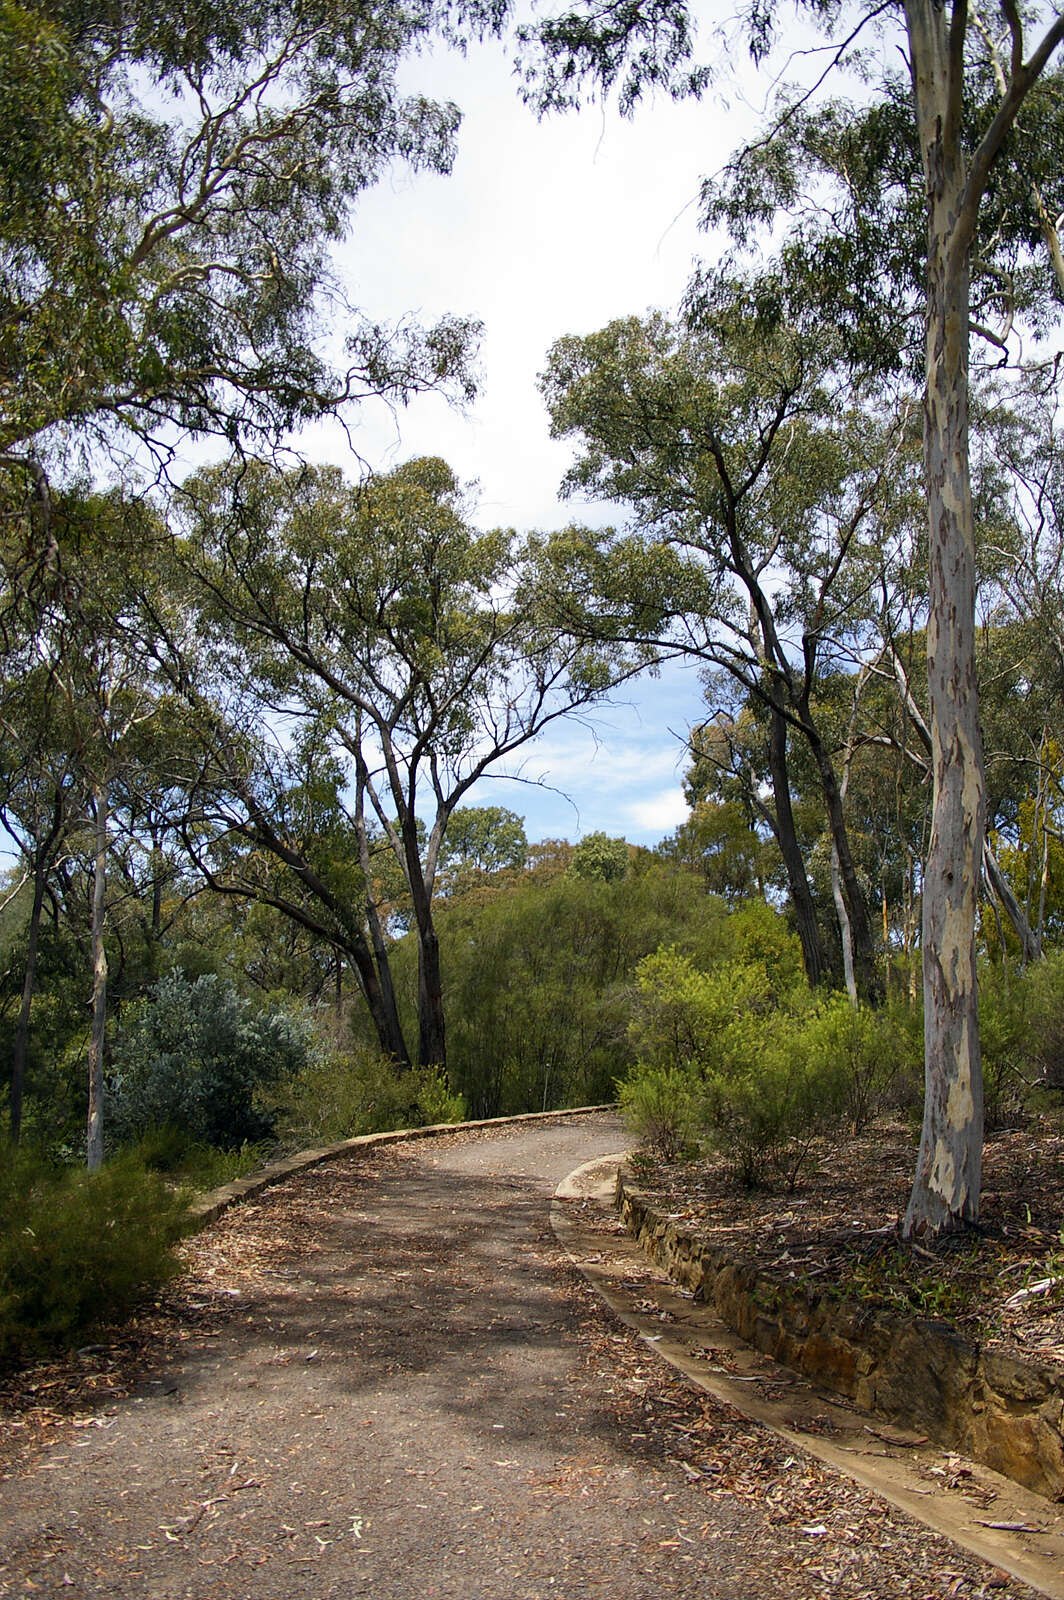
[(388, 1382)]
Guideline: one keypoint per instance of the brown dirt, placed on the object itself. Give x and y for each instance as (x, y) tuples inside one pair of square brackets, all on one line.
[(839, 1229), (383, 1378)]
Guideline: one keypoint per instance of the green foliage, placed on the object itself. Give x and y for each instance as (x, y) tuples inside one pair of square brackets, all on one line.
[(195, 1056), (538, 980), (662, 1106), (169, 187), (1003, 1042), (597, 856), (1045, 1037), (196, 1165), (78, 1249), (482, 839), (760, 1065), (358, 1091), (878, 1053)]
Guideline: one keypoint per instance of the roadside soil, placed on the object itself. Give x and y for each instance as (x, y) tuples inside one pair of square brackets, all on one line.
[(384, 1377), (839, 1231)]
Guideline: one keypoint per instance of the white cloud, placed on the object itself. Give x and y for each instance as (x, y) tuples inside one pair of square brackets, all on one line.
[(661, 813)]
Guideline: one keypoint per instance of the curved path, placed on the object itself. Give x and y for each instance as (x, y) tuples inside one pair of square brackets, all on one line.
[(393, 1384)]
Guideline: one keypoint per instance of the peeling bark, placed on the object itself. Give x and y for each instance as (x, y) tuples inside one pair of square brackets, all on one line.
[(945, 1193)]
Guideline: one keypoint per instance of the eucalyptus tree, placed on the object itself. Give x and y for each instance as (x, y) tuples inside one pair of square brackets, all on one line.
[(263, 820), (172, 182), (414, 645), (482, 840), (905, 203), (105, 706), (729, 441)]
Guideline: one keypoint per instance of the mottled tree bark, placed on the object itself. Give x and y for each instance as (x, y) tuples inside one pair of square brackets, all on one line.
[(945, 1192)]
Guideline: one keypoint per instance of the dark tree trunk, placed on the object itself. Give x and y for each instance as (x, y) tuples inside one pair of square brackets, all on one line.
[(866, 974), (814, 956), (383, 1014), (432, 1041)]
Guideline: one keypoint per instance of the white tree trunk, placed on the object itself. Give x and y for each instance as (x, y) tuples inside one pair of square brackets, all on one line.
[(945, 1193), (94, 1142)]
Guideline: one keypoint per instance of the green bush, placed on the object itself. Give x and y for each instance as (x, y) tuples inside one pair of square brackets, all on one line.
[(359, 1091), (538, 981), (747, 1042), (1044, 1041), (878, 1053), (1004, 1041), (78, 1249), (776, 1094), (662, 1107), (197, 1165), (195, 1056)]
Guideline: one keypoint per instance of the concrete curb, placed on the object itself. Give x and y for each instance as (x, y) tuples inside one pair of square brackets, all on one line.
[(212, 1205)]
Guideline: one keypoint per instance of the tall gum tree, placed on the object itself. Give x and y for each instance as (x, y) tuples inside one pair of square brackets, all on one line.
[(416, 644), (172, 183), (960, 134), (733, 448)]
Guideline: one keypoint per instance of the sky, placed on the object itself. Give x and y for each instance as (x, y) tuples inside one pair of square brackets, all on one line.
[(543, 229)]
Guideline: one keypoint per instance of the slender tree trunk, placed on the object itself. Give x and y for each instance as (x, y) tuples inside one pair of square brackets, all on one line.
[(385, 1003), (946, 1189), (432, 1034), (814, 956), (432, 1038), (97, 1036), (384, 1016), (866, 976), (22, 1030), (845, 932)]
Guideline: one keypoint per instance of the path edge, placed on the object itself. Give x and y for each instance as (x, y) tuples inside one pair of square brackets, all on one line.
[(210, 1206), (994, 1546)]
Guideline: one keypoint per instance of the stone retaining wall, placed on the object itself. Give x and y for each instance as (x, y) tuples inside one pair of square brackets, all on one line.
[(1004, 1412)]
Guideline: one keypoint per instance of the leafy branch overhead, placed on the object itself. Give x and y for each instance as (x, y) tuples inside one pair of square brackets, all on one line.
[(171, 193)]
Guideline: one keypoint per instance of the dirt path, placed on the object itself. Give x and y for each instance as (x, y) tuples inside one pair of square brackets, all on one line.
[(390, 1382)]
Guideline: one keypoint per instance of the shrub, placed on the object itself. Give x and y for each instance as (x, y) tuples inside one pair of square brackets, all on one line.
[(662, 1106), (748, 1043), (538, 981), (195, 1056), (875, 1052), (78, 1249), (199, 1166), (360, 1091), (1003, 1043), (777, 1092), (1045, 1021)]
